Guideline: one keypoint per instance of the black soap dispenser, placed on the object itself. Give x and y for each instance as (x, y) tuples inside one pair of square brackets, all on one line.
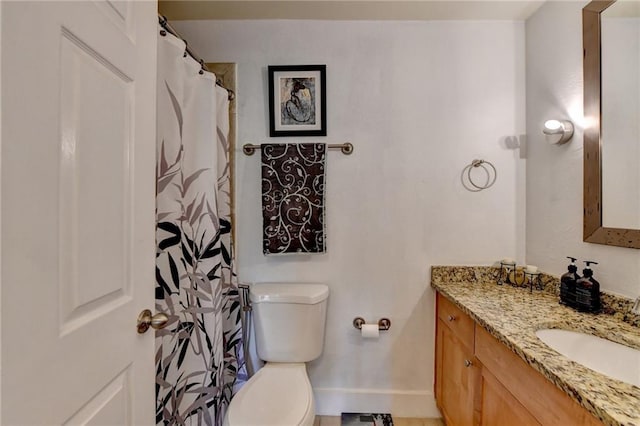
[(568, 284), (588, 291)]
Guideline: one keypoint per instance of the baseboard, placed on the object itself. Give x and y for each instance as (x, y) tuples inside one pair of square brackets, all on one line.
[(333, 401)]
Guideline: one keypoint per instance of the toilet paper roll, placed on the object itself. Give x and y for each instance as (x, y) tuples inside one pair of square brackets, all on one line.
[(370, 331)]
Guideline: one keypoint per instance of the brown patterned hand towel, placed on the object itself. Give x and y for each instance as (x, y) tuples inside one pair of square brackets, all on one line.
[(293, 198)]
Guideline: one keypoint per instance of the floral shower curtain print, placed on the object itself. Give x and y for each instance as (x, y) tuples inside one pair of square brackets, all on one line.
[(199, 354)]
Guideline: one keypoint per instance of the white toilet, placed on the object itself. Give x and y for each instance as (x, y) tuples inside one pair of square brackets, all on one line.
[(289, 322)]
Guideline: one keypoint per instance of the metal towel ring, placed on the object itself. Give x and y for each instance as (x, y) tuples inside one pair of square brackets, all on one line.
[(492, 175)]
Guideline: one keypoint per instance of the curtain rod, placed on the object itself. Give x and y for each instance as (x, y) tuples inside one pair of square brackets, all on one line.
[(164, 23)]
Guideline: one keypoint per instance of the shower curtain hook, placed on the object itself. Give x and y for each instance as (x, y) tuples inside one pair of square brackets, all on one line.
[(163, 23)]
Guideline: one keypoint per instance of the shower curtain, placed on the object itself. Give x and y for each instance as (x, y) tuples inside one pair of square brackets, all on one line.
[(199, 354)]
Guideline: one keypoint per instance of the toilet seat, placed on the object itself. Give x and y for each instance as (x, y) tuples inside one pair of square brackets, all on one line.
[(279, 394)]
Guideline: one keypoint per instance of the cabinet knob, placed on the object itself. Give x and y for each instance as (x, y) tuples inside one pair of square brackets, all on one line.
[(451, 318), (467, 363)]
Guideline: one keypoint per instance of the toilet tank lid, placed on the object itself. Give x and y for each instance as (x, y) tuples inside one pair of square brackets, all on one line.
[(308, 294)]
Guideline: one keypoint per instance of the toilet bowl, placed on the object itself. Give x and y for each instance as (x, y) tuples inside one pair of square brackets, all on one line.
[(289, 322), (279, 394)]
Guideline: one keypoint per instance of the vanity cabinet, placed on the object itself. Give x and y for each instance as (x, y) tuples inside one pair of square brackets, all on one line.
[(479, 381)]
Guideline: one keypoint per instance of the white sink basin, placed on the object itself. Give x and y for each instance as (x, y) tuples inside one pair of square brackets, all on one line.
[(604, 356)]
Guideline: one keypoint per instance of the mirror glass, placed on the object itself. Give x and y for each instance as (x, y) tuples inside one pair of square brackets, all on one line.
[(611, 83), (620, 120)]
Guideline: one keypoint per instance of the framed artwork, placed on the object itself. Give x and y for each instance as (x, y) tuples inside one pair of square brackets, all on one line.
[(297, 100)]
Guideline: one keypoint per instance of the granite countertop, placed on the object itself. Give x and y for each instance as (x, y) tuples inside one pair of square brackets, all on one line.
[(513, 315)]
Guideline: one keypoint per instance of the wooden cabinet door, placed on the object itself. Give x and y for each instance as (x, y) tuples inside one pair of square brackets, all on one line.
[(456, 376), (499, 407)]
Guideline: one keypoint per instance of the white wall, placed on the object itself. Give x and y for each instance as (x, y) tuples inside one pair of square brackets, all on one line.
[(554, 173), (419, 101)]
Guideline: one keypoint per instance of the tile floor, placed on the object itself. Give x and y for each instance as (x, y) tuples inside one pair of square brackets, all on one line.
[(397, 421)]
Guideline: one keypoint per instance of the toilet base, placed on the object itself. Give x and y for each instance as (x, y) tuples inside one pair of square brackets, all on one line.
[(279, 394)]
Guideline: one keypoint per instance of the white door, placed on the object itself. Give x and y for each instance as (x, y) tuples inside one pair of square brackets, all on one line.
[(77, 198)]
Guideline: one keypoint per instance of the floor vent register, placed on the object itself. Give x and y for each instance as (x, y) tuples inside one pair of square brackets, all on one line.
[(368, 419)]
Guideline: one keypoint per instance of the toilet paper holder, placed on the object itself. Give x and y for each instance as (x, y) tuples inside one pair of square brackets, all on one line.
[(383, 323)]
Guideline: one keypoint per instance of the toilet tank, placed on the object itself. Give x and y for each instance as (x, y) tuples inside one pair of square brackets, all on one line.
[(289, 320)]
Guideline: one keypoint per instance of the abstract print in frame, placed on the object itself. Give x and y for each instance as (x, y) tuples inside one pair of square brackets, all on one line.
[(297, 100)]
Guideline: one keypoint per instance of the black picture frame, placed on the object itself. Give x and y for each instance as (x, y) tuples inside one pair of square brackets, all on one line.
[(297, 100)]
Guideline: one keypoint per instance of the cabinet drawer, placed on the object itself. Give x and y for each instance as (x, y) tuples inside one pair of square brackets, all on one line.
[(457, 321)]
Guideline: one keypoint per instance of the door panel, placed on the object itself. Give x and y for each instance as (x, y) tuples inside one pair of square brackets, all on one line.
[(111, 406), (78, 156), (95, 185)]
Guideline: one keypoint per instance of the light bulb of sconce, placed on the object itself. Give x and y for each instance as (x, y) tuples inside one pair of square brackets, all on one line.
[(552, 126)]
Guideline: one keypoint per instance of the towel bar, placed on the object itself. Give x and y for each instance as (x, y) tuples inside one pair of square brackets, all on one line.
[(346, 148)]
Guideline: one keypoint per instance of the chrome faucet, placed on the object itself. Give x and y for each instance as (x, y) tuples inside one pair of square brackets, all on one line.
[(636, 307)]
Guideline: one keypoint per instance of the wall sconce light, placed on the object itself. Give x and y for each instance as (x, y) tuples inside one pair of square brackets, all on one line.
[(557, 131)]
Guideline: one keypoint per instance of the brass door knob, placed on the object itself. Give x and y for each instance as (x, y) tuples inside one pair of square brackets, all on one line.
[(157, 321)]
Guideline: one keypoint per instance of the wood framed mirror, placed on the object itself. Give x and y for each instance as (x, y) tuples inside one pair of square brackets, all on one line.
[(595, 230)]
